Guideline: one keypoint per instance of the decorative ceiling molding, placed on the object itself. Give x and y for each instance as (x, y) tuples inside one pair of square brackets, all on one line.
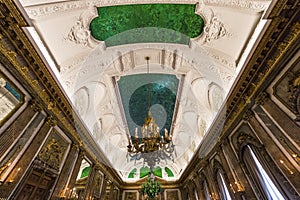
[(214, 29), (54, 8), (30, 68), (257, 5), (39, 10), (279, 42), (211, 57), (127, 61), (196, 57)]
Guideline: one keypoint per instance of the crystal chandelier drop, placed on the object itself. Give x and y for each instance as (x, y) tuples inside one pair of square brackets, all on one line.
[(152, 146)]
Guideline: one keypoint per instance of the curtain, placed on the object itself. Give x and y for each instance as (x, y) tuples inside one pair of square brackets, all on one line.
[(206, 191), (223, 187), (267, 186)]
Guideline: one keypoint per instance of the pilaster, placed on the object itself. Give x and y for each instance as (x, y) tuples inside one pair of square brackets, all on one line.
[(24, 163), (61, 188)]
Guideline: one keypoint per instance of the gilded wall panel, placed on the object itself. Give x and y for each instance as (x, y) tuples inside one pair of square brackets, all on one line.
[(130, 195), (287, 89), (53, 150), (98, 184), (172, 195)]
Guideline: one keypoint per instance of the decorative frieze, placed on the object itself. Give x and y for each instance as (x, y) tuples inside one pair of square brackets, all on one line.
[(239, 4), (54, 8)]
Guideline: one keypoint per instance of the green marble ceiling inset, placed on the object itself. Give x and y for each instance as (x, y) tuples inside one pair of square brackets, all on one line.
[(166, 23), (134, 95)]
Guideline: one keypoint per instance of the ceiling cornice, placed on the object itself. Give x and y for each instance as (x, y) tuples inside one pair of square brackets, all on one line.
[(276, 47), (30, 68), (263, 64)]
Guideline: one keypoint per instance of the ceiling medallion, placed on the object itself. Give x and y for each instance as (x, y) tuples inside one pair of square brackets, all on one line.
[(150, 144)]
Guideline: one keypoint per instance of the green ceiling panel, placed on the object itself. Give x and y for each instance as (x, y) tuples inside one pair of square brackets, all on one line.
[(134, 95), (165, 23)]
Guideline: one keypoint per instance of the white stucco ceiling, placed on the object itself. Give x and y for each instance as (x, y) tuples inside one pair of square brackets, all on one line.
[(85, 68)]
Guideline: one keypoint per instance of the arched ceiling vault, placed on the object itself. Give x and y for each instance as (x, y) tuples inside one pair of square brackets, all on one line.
[(89, 71)]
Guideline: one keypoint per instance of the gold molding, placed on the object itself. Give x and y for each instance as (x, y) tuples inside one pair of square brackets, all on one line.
[(31, 68), (283, 47), (253, 77)]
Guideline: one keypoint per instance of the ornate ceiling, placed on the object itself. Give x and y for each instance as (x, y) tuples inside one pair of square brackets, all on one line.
[(97, 78)]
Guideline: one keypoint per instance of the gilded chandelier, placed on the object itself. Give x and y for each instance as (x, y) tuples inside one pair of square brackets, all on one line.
[(152, 146)]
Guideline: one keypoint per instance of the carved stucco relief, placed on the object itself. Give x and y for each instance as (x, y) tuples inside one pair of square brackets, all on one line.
[(80, 33), (107, 109), (81, 101), (214, 28), (216, 97)]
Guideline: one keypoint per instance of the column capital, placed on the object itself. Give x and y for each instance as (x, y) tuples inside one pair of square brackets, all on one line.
[(261, 98)]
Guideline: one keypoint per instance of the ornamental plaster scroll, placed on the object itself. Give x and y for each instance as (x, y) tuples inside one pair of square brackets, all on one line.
[(80, 33), (215, 55), (40, 10), (200, 88), (190, 119), (223, 59), (109, 115), (214, 28), (127, 61), (226, 77), (216, 96), (97, 130), (67, 66), (97, 93), (181, 143), (81, 101), (201, 126)]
